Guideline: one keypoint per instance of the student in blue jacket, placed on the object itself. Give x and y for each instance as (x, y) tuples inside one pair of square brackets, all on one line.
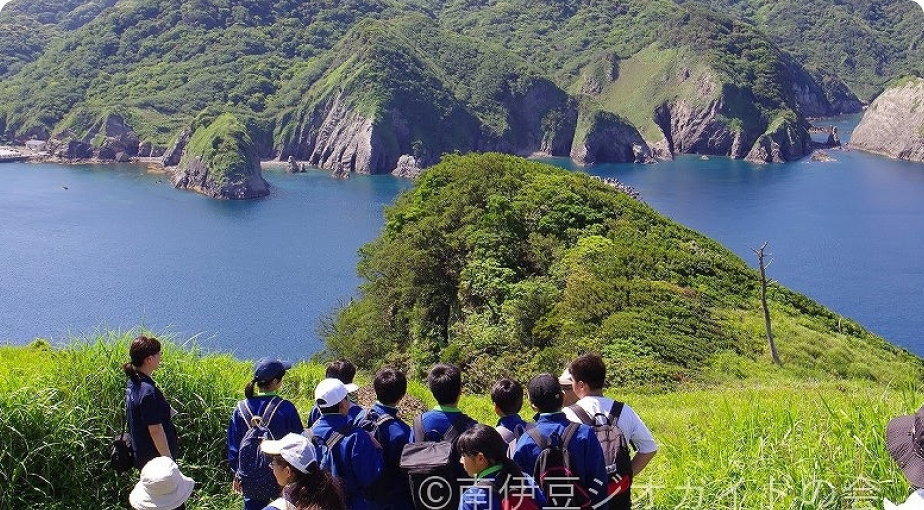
[(354, 460), (493, 475), (545, 396), (392, 434), (261, 394), (445, 382), (344, 370), (149, 415), (507, 396)]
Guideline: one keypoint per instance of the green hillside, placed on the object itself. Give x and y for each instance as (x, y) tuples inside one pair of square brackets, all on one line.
[(164, 61), (500, 264), (863, 42)]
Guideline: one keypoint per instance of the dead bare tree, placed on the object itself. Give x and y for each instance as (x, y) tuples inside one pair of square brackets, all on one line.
[(763, 300)]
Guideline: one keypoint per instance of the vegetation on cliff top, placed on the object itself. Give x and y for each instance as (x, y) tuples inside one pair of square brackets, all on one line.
[(507, 266), (225, 147)]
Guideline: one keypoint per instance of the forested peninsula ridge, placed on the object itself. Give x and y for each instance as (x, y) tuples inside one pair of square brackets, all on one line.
[(357, 86)]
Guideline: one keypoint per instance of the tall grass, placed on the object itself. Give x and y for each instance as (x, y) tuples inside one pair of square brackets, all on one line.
[(772, 443)]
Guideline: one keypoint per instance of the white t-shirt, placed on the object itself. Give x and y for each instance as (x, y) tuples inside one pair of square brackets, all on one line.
[(914, 502), (633, 428)]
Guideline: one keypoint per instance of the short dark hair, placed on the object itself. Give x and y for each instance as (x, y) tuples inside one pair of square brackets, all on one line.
[(507, 395), (341, 369), (589, 369), (545, 393), (445, 382), (390, 385)]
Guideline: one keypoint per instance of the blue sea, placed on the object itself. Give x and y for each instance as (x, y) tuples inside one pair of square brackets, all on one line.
[(84, 248)]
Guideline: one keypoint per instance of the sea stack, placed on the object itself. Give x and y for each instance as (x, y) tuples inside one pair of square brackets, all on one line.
[(221, 161)]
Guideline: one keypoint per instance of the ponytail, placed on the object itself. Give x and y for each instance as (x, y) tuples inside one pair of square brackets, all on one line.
[(130, 371), (248, 390)]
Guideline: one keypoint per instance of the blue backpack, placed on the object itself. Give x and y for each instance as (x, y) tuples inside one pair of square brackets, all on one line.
[(254, 472)]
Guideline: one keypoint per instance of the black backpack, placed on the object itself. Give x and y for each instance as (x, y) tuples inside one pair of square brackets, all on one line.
[(433, 466), (615, 447), (386, 485), (253, 469), (553, 471)]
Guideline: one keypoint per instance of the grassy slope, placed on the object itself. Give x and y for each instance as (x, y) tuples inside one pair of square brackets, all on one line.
[(225, 147), (771, 440)]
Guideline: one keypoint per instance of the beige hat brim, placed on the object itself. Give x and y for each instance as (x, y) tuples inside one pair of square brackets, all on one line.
[(140, 499)]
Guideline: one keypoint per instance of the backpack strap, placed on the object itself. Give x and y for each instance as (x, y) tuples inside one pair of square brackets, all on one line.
[(615, 412), (270, 411), (419, 434), (582, 414), (505, 433), (246, 413), (567, 434), (338, 436), (453, 433), (538, 438)]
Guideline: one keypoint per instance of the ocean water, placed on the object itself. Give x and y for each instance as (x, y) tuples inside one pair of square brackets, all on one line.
[(89, 247)]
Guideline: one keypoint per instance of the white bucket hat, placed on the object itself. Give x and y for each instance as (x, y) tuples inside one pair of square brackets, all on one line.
[(295, 449), (331, 392), (162, 486)]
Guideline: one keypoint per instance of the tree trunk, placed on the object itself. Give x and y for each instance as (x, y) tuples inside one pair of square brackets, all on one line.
[(763, 301)]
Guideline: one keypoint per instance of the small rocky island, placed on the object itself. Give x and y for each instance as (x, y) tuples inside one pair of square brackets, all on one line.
[(893, 125), (218, 159)]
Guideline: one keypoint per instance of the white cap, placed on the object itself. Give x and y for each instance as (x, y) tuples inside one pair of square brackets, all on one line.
[(162, 486), (565, 378), (331, 392), (295, 449)]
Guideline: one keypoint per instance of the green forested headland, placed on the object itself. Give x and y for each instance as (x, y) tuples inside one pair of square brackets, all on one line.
[(164, 61), (507, 266)]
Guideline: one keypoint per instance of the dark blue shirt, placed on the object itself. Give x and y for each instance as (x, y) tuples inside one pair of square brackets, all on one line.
[(392, 436), (511, 422), (584, 450), (437, 422), (284, 421), (145, 405), (356, 461)]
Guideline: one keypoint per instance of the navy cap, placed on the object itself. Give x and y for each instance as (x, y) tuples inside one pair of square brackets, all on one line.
[(268, 369)]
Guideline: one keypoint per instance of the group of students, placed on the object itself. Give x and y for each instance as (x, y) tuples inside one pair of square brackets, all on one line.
[(346, 457), (575, 455)]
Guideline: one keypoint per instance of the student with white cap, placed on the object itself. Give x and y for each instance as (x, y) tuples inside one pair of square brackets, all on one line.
[(305, 484), (351, 454), (344, 370), (905, 441), (162, 486)]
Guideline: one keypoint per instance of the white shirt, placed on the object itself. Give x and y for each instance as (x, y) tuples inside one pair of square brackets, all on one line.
[(914, 502), (633, 428)]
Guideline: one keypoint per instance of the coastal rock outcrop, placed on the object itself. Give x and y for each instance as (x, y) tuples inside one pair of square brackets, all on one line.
[(407, 167), (105, 137), (785, 140), (610, 139), (220, 160), (893, 125)]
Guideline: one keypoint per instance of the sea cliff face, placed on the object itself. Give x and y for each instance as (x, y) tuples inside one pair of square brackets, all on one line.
[(893, 125), (220, 160)]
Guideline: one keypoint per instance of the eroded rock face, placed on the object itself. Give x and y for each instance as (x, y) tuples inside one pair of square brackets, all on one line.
[(893, 125), (194, 175), (407, 167), (692, 128), (786, 143), (611, 140), (108, 139)]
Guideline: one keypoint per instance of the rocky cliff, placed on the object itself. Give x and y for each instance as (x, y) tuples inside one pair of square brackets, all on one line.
[(380, 96), (893, 125), (220, 160), (609, 139), (785, 140), (87, 134)]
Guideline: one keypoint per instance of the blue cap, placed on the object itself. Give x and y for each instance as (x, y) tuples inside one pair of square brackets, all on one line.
[(268, 369)]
